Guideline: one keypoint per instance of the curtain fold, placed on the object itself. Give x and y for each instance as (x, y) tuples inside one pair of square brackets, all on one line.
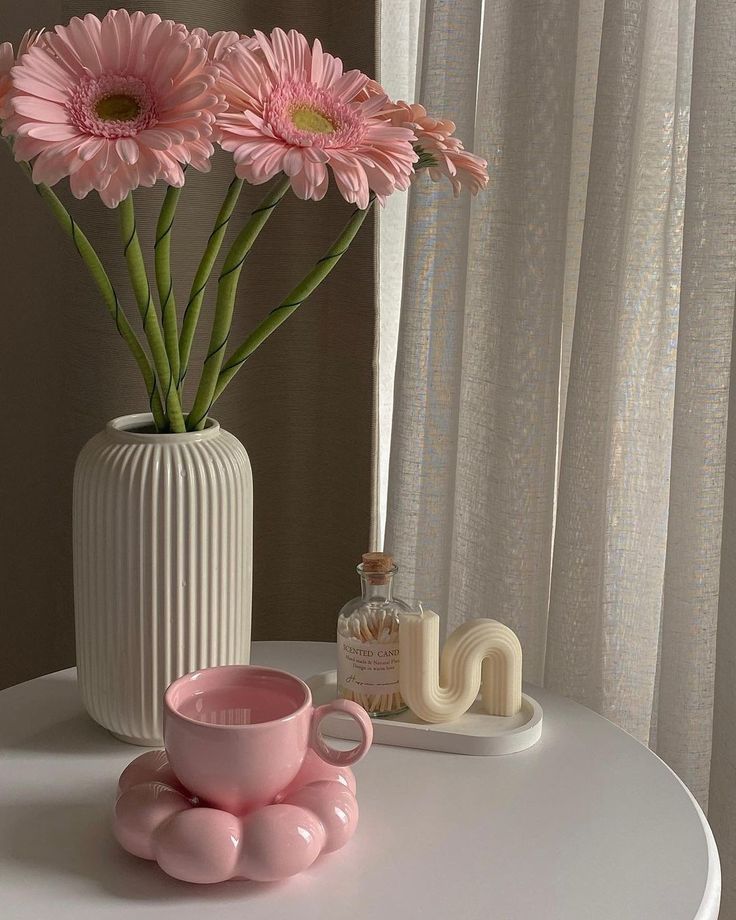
[(700, 589), (428, 364), (559, 455), (696, 507), (303, 406), (611, 527)]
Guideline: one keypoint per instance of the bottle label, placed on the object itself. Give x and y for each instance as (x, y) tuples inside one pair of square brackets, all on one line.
[(368, 673)]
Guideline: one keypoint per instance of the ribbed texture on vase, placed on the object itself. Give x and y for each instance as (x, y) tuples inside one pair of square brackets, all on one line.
[(162, 569)]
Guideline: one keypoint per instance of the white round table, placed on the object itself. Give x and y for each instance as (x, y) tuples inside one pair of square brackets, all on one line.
[(586, 825)]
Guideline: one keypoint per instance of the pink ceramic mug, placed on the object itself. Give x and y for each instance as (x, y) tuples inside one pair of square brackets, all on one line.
[(237, 735)]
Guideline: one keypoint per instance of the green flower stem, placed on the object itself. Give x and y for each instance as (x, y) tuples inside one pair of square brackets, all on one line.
[(227, 287), (104, 285), (293, 300), (199, 285), (164, 281), (142, 291)]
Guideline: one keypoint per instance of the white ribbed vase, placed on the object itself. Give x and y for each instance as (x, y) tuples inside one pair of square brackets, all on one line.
[(162, 566)]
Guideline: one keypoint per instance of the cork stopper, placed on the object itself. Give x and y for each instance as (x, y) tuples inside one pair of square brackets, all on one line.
[(377, 565)]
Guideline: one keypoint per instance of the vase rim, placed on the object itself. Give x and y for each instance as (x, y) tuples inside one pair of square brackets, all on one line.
[(128, 429)]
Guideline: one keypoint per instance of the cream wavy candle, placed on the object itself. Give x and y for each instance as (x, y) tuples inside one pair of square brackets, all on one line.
[(480, 655)]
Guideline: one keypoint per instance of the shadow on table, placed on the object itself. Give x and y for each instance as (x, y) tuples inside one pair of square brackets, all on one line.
[(75, 838), (78, 735), (68, 729)]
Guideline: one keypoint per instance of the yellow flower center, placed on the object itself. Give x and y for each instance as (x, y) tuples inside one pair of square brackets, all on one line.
[(118, 107), (308, 119)]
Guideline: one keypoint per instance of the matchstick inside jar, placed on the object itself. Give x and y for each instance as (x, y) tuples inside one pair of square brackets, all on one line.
[(368, 640)]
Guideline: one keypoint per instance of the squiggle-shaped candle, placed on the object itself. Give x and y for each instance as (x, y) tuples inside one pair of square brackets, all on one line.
[(480, 654)]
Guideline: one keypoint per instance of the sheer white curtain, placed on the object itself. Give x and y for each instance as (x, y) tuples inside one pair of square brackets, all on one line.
[(399, 25), (559, 446)]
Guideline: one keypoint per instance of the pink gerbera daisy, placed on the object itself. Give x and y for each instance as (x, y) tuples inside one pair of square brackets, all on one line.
[(439, 151), (292, 109), (218, 44), (114, 104), (8, 60)]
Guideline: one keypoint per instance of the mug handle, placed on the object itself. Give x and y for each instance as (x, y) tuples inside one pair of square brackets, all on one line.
[(332, 755)]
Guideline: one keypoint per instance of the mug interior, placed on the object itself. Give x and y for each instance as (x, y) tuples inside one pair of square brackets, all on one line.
[(236, 695)]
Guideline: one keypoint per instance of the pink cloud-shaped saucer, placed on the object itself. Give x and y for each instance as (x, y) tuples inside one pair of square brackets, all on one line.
[(157, 818)]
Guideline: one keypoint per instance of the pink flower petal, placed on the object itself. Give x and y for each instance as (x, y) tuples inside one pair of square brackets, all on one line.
[(293, 110), (38, 87), (26, 148), (160, 140), (115, 41), (216, 44), (293, 161), (49, 170), (82, 182), (45, 70), (435, 136), (315, 154), (331, 69), (347, 87), (291, 53), (263, 169), (127, 150), (59, 85), (320, 190), (264, 45), (185, 92), (316, 69), (175, 175), (316, 176), (143, 28), (80, 43), (40, 109), (89, 149), (373, 105), (48, 132), (250, 151), (160, 45), (118, 188), (7, 57), (168, 63)]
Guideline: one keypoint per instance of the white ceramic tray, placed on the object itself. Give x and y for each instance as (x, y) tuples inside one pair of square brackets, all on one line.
[(474, 733)]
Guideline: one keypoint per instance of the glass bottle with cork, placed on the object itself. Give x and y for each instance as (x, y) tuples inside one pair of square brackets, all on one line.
[(368, 640)]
